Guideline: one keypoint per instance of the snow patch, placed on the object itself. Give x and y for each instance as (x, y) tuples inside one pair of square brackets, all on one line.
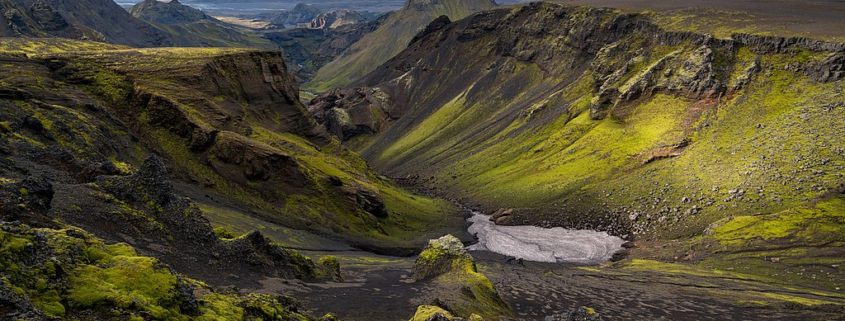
[(539, 244)]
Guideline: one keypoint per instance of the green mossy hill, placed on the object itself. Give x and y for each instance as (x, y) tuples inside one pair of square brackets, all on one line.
[(453, 281), (228, 123), (391, 37), (584, 117), (69, 274)]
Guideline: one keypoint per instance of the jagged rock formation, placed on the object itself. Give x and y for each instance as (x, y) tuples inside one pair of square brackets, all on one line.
[(454, 283), (390, 38), (188, 26), (307, 49)]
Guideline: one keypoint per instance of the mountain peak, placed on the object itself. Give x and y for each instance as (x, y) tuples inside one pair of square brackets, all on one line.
[(166, 12)]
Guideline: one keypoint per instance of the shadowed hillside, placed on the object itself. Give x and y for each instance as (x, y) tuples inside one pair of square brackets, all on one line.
[(392, 36)]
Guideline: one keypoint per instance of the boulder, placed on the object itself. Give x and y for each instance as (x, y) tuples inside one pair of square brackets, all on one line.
[(435, 313), (503, 216), (441, 256), (328, 268), (453, 281), (581, 313)]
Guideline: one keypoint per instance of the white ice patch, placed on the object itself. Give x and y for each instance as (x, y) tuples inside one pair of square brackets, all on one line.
[(543, 244)]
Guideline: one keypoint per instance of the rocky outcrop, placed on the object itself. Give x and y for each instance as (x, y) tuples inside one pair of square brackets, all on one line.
[(435, 313), (441, 256), (347, 113), (774, 44), (454, 283), (581, 313)]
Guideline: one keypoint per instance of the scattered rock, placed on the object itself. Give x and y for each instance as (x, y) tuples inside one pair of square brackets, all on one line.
[(581, 313)]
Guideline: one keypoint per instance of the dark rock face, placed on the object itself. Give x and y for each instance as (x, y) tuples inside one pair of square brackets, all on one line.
[(830, 69), (350, 112), (437, 24), (148, 184), (371, 203), (27, 201), (247, 163), (771, 44)]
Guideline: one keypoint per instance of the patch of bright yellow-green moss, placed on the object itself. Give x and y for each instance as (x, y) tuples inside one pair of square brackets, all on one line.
[(821, 223)]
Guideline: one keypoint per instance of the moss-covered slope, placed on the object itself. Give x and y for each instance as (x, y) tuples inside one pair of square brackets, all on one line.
[(68, 274), (590, 118), (392, 36), (227, 121)]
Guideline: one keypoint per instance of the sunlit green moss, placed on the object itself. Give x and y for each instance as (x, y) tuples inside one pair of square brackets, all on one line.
[(819, 224)]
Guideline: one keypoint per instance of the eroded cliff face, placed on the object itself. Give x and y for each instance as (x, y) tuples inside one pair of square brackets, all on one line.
[(591, 118)]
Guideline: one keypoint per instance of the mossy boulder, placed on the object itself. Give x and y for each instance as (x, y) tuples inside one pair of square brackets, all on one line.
[(441, 256), (328, 268), (431, 312), (454, 282)]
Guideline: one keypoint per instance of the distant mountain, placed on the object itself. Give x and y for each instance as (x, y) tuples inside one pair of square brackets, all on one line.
[(101, 20), (192, 27), (300, 14), (336, 18), (390, 38), (308, 49)]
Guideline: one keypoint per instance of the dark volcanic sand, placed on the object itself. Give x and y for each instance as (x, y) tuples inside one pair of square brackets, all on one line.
[(380, 288)]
